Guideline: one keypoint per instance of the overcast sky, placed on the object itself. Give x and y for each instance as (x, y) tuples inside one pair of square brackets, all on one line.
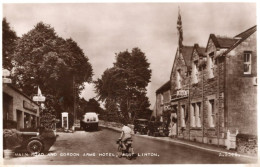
[(102, 30)]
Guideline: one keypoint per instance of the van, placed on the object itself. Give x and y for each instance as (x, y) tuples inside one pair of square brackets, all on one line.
[(89, 121)]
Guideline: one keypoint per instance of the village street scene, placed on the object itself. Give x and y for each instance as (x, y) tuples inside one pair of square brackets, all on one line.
[(129, 83)]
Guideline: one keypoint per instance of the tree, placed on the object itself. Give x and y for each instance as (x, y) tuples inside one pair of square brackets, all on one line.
[(9, 38), (58, 66), (125, 84)]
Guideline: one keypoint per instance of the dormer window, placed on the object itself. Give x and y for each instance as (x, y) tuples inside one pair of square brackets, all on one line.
[(211, 65), (195, 72), (247, 62), (178, 79)]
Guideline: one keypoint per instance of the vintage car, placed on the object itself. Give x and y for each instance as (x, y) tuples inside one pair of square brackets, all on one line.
[(163, 129), (156, 128), (89, 121), (141, 126), (37, 142)]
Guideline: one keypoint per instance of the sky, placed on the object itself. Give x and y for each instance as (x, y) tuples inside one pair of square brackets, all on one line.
[(104, 29)]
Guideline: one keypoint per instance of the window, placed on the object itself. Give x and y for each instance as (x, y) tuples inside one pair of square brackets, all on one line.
[(161, 98), (198, 114), (195, 113), (247, 63), (211, 65), (178, 79), (195, 72), (192, 115), (211, 112), (183, 116)]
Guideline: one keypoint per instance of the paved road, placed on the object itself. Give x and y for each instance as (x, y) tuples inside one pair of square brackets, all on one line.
[(96, 144)]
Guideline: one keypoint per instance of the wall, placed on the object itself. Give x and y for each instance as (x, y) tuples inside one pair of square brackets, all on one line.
[(242, 94)]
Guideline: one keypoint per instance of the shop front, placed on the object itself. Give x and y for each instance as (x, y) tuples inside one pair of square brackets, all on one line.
[(19, 111)]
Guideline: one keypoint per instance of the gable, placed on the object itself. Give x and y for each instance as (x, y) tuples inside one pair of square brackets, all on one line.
[(178, 63), (195, 55), (211, 47)]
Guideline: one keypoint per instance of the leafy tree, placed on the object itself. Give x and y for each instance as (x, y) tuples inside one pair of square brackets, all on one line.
[(91, 105), (9, 38), (125, 84), (59, 67)]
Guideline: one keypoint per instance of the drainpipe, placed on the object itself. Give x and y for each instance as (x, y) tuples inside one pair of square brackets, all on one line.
[(202, 104), (188, 107), (218, 100), (155, 106)]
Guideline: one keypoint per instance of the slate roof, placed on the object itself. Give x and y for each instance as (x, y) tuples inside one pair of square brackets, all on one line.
[(240, 38), (164, 87), (223, 42), (200, 50), (246, 33)]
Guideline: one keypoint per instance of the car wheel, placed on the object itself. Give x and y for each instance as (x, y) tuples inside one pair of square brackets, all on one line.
[(34, 147)]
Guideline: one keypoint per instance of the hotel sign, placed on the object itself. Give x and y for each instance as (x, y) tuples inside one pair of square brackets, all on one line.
[(29, 107), (182, 93)]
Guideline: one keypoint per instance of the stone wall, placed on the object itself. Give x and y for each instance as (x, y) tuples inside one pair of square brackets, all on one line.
[(241, 91)]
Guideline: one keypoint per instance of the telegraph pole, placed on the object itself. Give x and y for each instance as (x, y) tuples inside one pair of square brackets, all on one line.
[(74, 100)]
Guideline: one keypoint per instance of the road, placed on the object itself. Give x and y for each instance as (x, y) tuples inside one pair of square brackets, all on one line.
[(100, 148)]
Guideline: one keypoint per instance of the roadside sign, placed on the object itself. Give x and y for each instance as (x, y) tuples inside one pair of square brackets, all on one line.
[(39, 98)]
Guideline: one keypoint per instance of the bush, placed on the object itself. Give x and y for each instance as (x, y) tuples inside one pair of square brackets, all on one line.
[(12, 138), (48, 136)]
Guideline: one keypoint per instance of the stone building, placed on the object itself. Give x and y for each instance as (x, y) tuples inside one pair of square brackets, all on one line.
[(19, 111), (163, 100), (214, 89)]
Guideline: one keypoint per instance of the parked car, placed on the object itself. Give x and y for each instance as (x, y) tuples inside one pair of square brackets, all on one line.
[(153, 128), (89, 121), (163, 129), (156, 128), (37, 142), (141, 126)]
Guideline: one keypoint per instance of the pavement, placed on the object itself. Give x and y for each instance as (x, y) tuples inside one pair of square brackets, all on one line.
[(212, 148)]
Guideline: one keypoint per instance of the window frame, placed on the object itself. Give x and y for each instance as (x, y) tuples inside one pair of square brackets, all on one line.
[(195, 72), (249, 62), (212, 113), (211, 65), (193, 116), (178, 79), (183, 112)]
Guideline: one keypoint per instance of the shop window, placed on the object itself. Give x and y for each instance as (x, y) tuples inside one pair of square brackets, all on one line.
[(195, 72), (247, 62), (192, 115), (211, 65), (211, 113), (178, 79), (183, 124)]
